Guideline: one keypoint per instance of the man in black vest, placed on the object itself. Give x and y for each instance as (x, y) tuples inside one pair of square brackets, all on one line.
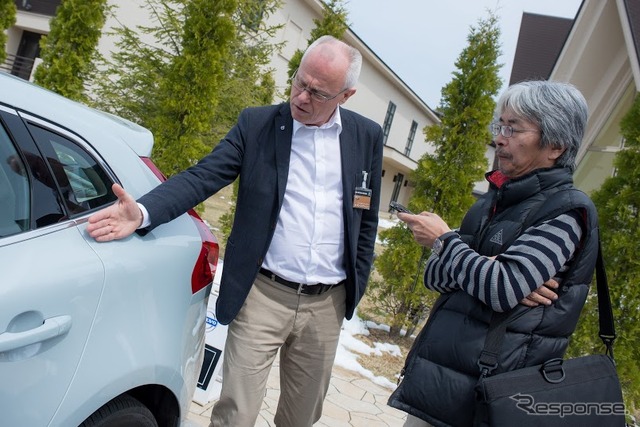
[(528, 247)]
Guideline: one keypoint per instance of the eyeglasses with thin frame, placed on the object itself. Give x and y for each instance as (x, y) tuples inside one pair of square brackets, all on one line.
[(506, 130), (313, 93)]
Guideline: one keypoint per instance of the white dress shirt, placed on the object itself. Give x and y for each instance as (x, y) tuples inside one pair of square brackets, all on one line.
[(308, 243)]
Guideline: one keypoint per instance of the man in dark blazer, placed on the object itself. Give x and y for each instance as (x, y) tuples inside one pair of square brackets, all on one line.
[(299, 255)]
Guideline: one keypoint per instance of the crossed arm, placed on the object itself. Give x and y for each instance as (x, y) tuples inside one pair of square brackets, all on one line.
[(527, 273)]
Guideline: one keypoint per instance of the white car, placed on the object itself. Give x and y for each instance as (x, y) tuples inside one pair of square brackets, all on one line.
[(91, 333)]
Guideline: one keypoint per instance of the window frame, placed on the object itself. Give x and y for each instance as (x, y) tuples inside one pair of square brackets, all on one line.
[(67, 191), (388, 120), (411, 138), (47, 209)]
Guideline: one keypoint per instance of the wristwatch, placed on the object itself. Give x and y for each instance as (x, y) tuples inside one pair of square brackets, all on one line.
[(438, 244)]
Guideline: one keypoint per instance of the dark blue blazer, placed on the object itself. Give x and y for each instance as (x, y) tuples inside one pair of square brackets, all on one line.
[(257, 150)]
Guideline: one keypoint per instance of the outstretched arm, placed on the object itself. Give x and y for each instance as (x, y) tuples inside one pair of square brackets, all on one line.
[(116, 221)]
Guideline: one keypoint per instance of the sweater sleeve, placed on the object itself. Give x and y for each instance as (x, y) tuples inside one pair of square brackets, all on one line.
[(501, 283)]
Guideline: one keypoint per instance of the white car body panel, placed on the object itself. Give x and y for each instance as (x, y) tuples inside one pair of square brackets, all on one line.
[(40, 373), (133, 317)]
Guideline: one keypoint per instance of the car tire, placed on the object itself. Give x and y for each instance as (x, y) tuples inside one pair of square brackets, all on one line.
[(123, 411)]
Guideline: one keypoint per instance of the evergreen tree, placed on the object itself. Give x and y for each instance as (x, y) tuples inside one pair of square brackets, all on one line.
[(167, 77), (187, 76), (7, 20), (69, 51), (188, 94), (445, 179), (618, 203), (250, 80), (150, 63)]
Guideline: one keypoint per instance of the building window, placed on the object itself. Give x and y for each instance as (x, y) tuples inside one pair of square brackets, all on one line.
[(386, 128), (41, 7), (412, 135)]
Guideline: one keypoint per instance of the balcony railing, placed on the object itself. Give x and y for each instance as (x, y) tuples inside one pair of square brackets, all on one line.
[(42, 7), (18, 66)]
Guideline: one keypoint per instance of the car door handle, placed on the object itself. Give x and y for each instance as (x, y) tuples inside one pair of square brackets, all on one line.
[(51, 328)]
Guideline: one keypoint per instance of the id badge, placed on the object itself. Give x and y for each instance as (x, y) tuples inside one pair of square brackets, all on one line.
[(362, 198)]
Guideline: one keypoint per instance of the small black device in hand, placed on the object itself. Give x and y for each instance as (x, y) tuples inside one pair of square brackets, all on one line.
[(395, 206)]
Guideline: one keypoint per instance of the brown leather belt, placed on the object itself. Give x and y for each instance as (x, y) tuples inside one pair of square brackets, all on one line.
[(300, 288)]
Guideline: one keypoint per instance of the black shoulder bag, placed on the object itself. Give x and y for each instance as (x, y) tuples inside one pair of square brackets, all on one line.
[(579, 392)]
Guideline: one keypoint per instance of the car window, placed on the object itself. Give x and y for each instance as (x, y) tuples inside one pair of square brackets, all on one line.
[(82, 182), (14, 189)]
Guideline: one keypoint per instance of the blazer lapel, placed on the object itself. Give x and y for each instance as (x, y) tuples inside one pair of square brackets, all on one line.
[(283, 135), (348, 147)]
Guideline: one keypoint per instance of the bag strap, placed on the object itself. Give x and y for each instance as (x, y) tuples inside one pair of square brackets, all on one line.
[(488, 360), (607, 331)]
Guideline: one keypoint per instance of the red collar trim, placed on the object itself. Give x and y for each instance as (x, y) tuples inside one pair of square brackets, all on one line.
[(497, 178)]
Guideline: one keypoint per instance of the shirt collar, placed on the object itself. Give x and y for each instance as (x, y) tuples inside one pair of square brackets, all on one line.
[(334, 120)]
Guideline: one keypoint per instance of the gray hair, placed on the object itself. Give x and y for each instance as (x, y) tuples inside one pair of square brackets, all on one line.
[(354, 56), (559, 109)]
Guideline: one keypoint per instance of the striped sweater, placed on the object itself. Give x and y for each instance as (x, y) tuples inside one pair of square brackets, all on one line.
[(501, 282)]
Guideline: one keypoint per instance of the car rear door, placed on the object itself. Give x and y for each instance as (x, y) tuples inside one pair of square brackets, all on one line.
[(50, 279)]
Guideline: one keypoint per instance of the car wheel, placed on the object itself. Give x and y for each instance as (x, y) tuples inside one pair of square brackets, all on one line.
[(123, 411)]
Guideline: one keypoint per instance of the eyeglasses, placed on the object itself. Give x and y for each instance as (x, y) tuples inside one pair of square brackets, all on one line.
[(507, 131), (313, 93)]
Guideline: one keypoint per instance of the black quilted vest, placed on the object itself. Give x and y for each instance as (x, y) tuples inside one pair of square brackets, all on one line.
[(441, 370)]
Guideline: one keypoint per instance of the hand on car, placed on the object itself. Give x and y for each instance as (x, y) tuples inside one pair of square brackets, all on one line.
[(116, 221), (544, 295)]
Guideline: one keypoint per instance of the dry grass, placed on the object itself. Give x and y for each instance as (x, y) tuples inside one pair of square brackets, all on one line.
[(387, 366)]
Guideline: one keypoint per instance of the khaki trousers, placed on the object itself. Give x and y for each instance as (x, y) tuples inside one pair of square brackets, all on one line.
[(305, 328)]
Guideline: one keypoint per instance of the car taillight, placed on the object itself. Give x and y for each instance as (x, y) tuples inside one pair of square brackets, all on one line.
[(205, 269)]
